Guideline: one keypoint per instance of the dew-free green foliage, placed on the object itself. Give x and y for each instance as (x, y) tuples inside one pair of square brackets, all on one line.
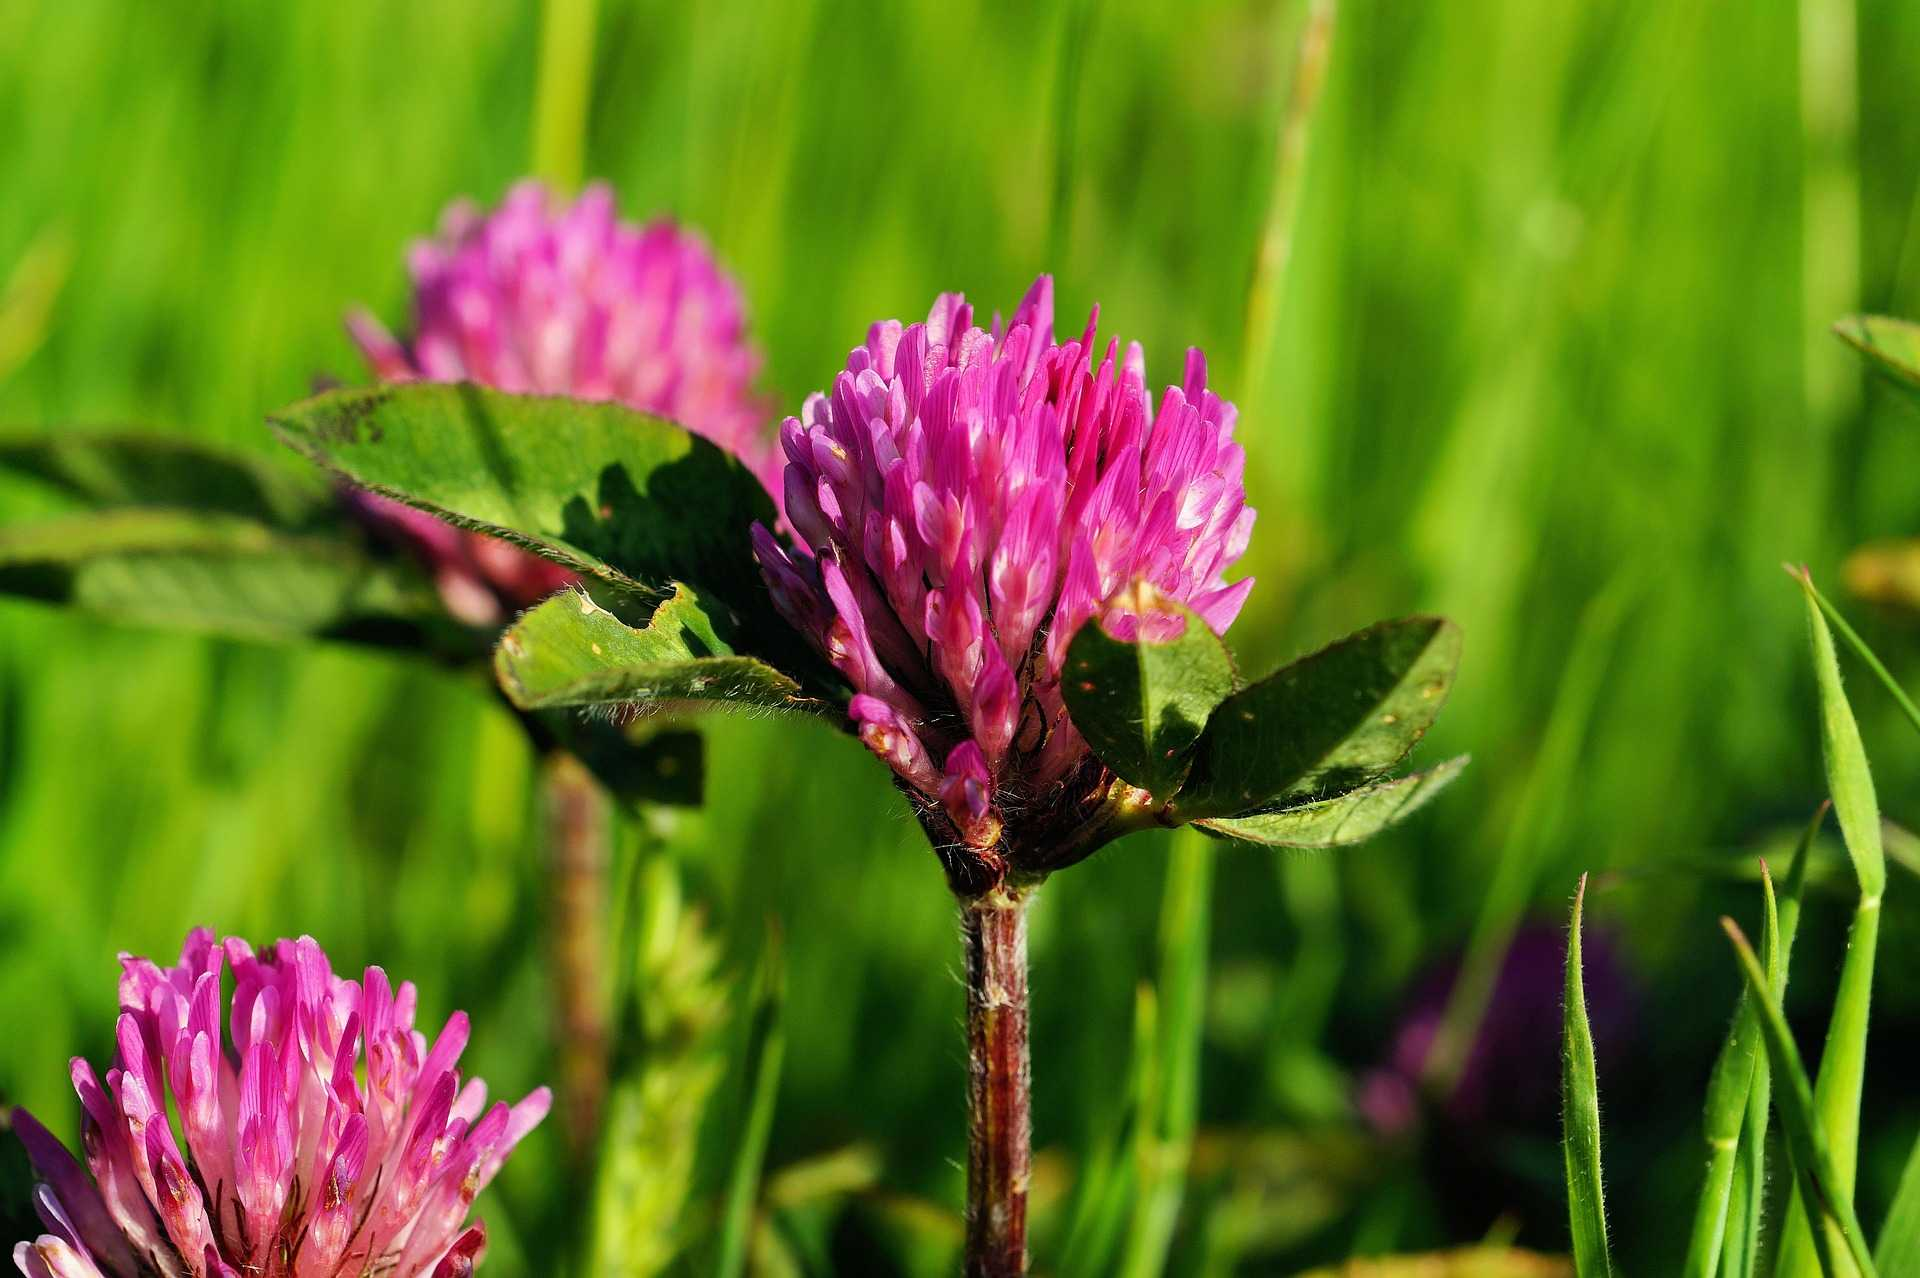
[(1328, 721), (1837, 1092), (1349, 818), (671, 1003), (763, 1048), (1732, 1200), (212, 573), (1864, 653), (1838, 1240), (1897, 1250), (1141, 703), (1169, 1061), (610, 493), (1282, 761), (168, 533), (1854, 803), (103, 472), (173, 533), (1580, 1105), (1556, 306), (1820, 1234)]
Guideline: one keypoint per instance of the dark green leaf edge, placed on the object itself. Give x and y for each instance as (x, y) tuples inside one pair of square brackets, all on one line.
[(1197, 803), (303, 441), (1354, 817)]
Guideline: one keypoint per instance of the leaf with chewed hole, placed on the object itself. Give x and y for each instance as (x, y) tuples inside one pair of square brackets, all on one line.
[(1343, 820), (1140, 681), (1326, 723), (569, 651)]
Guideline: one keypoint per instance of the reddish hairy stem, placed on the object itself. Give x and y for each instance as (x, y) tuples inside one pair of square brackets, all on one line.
[(999, 1122), (577, 837)]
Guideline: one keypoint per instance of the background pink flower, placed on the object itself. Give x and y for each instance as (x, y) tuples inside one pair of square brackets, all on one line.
[(547, 297), (323, 1135)]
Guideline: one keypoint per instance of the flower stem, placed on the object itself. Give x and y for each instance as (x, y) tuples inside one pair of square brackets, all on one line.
[(577, 838), (999, 1121)]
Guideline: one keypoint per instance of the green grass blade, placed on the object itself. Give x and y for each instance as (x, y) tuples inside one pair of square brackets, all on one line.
[(1739, 1257), (1728, 1092), (1539, 819), (1898, 1251), (1166, 1132), (1843, 1059), (1806, 1142), (27, 295), (1076, 35), (1307, 75), (1580, 1118), (1848, 777), (669, 1057), (1105, 1186), (1747, 1212), (765, 1049), (561, 100), (1836, 1094), (1892, 345), (1866, 654), (1727, 1217)]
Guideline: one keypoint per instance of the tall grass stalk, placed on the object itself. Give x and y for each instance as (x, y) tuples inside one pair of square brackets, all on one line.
[(1306, 77), (1165, 1133), (1536, 820), (1580, 1105), (563, 91), (764, 1049), (1830, 194), (1078, 20), (27, 297), (1843, 1060), (1898, 1248), (1732, 1200), (669, 1058), (1840, 1238)]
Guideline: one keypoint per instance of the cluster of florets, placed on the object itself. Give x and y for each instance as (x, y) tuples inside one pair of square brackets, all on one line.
[(318, 1134), (543, 297), (963, 500)]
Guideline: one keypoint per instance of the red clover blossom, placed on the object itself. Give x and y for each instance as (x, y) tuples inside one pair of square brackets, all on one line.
[(323, 1136), (965, 498), (544, 298)]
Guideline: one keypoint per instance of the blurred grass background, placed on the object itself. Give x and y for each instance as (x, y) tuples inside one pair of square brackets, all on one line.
[(1548, 355)]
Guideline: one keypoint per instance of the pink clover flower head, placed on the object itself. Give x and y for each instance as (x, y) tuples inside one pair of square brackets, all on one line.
[(547, 297), (964, 499), (298, 1126)]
